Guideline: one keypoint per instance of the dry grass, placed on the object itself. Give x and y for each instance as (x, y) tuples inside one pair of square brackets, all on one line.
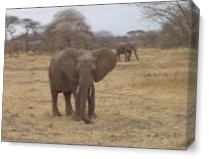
[(139, 104)]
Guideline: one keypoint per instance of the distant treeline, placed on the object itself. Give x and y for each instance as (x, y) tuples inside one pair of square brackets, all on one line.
[(179, 28)]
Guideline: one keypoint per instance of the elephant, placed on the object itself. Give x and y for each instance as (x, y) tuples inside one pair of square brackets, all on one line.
[(74, 71), (126, 49)]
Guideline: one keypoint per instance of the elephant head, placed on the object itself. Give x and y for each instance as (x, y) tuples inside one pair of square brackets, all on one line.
[(84, 68)]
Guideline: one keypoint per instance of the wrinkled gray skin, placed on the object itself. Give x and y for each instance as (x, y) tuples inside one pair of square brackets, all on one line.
[(74, 72), (127, 50)]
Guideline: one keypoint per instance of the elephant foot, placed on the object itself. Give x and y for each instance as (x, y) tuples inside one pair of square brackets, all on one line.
[(56, 113), (70, 112), (87, 120), (76, 117), (94, 116)]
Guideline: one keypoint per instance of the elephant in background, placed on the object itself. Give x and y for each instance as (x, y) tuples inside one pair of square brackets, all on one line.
[(127, 50), (74, 71)]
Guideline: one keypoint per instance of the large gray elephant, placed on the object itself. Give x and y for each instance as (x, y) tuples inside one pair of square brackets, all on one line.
[(74, 72), (126, 49)]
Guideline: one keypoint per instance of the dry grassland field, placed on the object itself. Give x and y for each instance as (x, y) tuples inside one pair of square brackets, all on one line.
[(138, 104)]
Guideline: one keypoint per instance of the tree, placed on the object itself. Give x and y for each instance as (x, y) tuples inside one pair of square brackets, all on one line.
[(68, 29), (135, 33), (105, 39), (179, 21), (11, 22), (30, 27), (143, 38)]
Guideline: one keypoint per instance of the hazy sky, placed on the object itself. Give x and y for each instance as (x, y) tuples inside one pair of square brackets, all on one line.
[(117, 18)]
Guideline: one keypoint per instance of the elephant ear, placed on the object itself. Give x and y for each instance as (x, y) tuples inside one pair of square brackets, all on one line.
[(68, 62), (105, 62)]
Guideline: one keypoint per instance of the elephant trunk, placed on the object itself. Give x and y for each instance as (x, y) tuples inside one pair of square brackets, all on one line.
[(83, 92), (85, 81)]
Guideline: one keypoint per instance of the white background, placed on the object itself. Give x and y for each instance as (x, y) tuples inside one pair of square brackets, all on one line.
[(200, 149)]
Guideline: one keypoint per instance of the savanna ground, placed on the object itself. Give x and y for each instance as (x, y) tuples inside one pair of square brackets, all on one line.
[(139, 104)]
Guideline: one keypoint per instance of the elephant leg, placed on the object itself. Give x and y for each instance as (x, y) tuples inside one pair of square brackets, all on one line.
[(68, 109), (55, 110), (136, 55), (76, 114), (126, 56), (91, 102), (129, 56)]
